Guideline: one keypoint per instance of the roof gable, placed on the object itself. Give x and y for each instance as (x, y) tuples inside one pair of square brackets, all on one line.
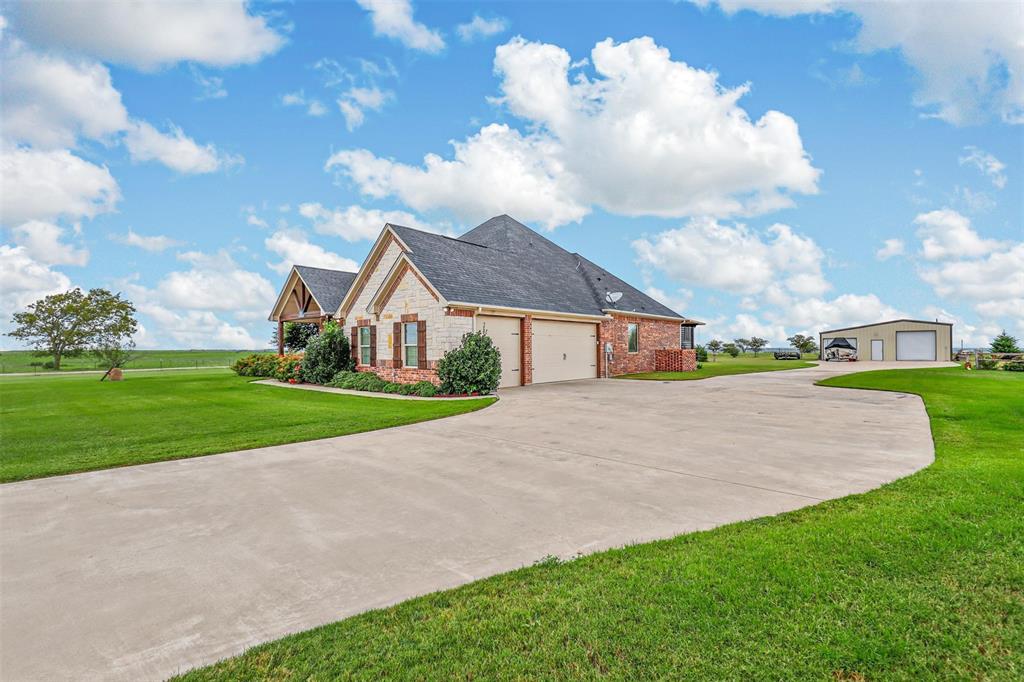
[(327, 286)]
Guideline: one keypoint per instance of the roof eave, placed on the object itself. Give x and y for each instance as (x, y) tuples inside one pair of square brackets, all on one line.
[(634, 313)]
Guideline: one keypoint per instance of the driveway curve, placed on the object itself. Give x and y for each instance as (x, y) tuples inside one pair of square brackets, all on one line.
[(146, 571)]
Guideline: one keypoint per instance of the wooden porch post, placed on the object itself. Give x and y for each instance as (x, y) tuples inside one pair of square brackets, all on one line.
[(280, 337)]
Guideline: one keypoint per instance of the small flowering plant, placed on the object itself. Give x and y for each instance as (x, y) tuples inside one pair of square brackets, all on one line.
[(289, 369)]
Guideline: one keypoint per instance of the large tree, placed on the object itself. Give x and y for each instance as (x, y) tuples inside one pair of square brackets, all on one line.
[(1004, 343), (757, 343), (742, 344), (65, 325), (804, 344), (714, 347)]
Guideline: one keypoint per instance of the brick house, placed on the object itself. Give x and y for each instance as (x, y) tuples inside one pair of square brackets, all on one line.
[(554, 315)]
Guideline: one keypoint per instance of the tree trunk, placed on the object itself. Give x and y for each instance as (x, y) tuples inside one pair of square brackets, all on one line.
[(56, 360)]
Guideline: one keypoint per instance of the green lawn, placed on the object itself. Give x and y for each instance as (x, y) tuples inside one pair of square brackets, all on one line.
[(21, 360), (724, 365), (920, 579), (59, 425)]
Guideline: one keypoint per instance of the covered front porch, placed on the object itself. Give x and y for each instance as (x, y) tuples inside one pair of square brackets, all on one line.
[(309, 295)]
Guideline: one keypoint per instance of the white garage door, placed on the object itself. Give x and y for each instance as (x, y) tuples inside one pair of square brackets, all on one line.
[(504, 332), (915, 345), (564, 350)]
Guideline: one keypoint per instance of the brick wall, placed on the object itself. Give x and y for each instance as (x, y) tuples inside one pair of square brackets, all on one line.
[(526, 349), (654, 335), (675, 360), (402, 375)]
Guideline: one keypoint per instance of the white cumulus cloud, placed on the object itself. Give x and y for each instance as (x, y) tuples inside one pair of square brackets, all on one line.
[(152, 243), (393, 18), (215, 282), (354, 223), (735, 258), (294, 248), (479, 27), (148, 34), (890, 249), (43, 242), (50, 101), (24, 280), (355, 101), (43, 185), (946, 233), (646, 136), (176, 150), (970, 55)]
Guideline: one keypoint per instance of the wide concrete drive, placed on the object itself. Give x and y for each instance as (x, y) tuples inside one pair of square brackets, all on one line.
[(140, 572)]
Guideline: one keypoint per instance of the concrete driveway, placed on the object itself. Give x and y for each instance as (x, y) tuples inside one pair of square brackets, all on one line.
[(142, 572)]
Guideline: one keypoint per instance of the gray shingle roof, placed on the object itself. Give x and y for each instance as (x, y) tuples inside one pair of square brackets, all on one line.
[(327, 286), (504, 263)]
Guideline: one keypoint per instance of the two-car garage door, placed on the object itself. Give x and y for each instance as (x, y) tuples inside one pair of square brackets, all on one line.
[(561, 350)]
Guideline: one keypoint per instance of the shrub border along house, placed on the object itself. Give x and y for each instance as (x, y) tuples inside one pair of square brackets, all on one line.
[(471, 369)]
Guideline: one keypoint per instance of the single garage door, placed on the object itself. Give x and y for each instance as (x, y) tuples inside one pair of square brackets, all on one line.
[(504, 332), (564, 350), (915, 345)]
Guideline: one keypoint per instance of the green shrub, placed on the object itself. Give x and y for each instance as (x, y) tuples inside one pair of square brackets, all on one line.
[(256, 365), (473, 367), (1014, 366), (391, 387), (702, 354), (700, 365), (423, 389), (732, 349), (327, 353)]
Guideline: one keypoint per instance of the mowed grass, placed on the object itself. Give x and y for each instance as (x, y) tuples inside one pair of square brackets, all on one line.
[(920, 579), (64, 424), (725, 365), (16, 361)]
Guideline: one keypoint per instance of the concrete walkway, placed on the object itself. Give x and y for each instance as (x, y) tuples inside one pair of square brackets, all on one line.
[(142, 572)]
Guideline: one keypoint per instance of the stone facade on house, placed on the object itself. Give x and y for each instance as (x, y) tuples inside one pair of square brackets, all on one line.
[(410, 296)]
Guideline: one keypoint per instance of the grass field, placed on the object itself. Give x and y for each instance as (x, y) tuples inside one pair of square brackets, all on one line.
[(59, 425), (920, 579), (725, 365), (13, 361)]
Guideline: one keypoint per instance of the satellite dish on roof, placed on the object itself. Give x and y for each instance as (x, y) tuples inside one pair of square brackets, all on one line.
[(613, 296)]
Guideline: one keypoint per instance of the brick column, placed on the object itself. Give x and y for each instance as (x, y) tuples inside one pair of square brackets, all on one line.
[(526, 350)]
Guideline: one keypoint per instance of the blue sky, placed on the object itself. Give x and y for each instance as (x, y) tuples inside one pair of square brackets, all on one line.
[(770, 167)]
